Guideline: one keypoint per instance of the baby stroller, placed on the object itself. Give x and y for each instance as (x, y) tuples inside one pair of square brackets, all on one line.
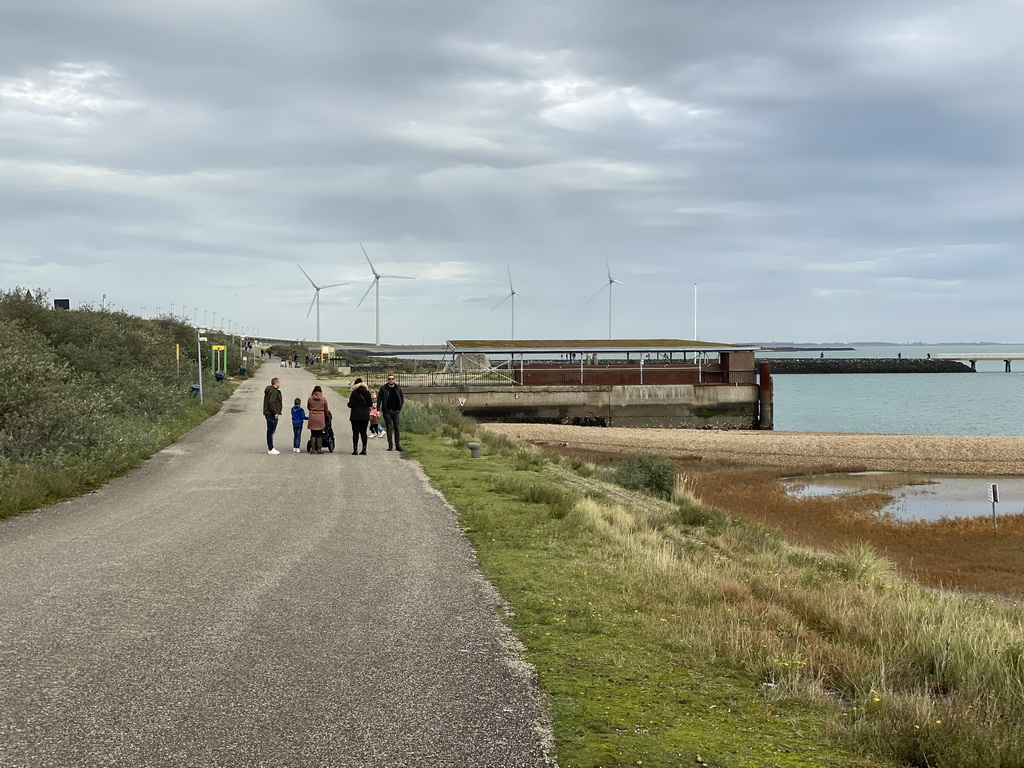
[(328, 435)]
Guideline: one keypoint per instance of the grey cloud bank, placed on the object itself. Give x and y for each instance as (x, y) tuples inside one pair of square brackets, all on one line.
[(821, 170)]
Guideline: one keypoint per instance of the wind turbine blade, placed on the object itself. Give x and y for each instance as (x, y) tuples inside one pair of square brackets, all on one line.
[(510, 278), (502, 301), (618, 282), (610, 280), (307, 277), (372, 283), (332, 285), (315, 294), (372, 269), (403, 277), (598, 292), (526, 297)]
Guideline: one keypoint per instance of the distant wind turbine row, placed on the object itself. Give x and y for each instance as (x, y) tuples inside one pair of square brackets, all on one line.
[(374, 286), (509, 297)]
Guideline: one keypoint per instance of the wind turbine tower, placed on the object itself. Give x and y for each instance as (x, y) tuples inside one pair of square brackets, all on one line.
[(512, 293), (375, 287), (316, 300), (611, 281)]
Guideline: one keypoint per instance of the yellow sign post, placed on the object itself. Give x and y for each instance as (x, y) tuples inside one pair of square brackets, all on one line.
[(219, 359)]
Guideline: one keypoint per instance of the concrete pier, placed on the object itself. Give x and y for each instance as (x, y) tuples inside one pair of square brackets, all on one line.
[(787, 365)]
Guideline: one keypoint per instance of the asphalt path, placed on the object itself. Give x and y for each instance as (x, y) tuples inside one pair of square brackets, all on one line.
[(219, 606)]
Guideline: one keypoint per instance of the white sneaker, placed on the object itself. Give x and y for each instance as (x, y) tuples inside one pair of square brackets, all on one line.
[(273, 451), (295, 450)]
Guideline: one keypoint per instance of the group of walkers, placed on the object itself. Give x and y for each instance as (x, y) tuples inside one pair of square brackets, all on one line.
[(363, 415)]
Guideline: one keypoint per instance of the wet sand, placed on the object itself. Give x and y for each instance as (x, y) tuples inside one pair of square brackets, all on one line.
[(934, 454)]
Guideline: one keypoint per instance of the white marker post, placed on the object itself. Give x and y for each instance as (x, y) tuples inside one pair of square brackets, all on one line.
[(993, 496)]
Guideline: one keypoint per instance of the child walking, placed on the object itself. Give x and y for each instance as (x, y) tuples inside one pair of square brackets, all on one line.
[(375, 430), (298, 416)]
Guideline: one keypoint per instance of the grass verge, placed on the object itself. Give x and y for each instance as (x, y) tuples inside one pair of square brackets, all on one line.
[(665, 633)]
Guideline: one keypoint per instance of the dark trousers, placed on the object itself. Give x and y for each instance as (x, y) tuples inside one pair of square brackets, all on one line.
[(392, 421), (296, 435), (271, 429), (359, 431)]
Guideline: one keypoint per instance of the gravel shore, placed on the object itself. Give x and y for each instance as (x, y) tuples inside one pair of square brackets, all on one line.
[(934, 454)]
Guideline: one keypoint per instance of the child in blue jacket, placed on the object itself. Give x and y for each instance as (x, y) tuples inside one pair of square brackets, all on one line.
[(298, 416)]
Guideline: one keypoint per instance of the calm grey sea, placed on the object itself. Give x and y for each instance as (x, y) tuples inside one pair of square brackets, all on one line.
[(989, 402)]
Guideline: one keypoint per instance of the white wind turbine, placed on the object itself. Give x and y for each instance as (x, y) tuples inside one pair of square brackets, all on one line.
[(375, 287), (316, 299), (611, 281), (512, 293)]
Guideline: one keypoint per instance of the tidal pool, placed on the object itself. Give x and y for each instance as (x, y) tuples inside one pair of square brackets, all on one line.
[(918, 497)]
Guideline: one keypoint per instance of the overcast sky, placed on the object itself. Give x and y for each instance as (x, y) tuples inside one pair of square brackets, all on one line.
[(822, 171)]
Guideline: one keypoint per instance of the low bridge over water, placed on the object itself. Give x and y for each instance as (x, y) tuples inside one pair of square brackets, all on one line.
[(974, 357)]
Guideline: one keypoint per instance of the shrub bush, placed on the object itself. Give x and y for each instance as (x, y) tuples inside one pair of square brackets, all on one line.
[(88, 393), (655, 475), (420, 419)]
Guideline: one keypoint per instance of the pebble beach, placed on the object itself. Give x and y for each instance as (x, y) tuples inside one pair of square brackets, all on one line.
[(934, 454)]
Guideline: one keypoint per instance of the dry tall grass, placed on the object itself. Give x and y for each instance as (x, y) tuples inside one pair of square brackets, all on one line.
[(963, 554), (739, 472), (923, 676)]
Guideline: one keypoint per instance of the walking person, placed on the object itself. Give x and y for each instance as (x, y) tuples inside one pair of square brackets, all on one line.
[(360, 401), (273, 404), (389, 402), (317, 407), (298, 416), (375, 430)]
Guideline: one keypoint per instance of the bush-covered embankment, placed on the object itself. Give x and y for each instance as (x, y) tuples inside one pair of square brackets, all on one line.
[(87, 394)]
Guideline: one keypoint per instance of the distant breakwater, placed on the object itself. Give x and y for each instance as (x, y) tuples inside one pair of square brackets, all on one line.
[(783, 365)]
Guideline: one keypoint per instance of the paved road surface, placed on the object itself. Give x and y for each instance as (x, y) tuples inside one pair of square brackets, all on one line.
[(223, 607)]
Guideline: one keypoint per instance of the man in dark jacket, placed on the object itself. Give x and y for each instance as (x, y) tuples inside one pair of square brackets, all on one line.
[(389, 402), (273, 404)]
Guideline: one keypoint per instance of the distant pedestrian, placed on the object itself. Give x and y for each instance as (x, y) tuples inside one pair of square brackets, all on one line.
[(298, 416), (273, 404), (390, 401), (361, 403), (317, 407)]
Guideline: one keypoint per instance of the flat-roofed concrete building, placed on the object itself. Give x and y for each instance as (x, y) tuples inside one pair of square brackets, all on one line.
[(618, 382)]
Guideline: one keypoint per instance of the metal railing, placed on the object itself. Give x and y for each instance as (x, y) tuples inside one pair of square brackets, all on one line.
[(553, 375)]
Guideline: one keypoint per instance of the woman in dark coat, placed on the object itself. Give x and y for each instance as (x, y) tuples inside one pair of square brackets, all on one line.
[(360, 401), (317, 407)]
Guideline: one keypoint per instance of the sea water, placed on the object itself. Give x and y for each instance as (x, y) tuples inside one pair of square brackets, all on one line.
[(988, 402)]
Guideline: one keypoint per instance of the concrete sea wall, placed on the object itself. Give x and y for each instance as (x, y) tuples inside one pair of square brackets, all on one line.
[(681, 405)]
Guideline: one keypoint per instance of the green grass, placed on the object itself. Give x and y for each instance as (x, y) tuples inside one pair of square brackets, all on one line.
[(623, 689), (666, 631)]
